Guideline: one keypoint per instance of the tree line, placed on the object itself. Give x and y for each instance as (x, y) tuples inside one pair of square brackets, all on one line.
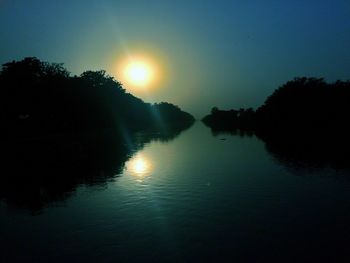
[(300, 105), (39, 98)]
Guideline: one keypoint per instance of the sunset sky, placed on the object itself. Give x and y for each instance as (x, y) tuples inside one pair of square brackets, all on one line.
[(204, 53)]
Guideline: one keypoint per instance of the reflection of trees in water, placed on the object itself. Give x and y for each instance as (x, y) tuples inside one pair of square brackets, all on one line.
[(41, 100), (234, 132), (303, 151), (303, 123), (310, 152), (38, 172)]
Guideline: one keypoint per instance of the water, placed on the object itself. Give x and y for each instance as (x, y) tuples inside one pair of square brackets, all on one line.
[(194, 197)]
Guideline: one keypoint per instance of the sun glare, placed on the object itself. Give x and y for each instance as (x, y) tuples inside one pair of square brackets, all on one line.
[(139, 166), (139, 74)]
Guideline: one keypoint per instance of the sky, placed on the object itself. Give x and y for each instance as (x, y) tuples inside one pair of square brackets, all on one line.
[(228, 54)]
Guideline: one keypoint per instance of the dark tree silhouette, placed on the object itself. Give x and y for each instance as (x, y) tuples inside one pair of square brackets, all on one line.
[(300, 105), (227, 120), (40, 98), (59, 131), (304, 120)]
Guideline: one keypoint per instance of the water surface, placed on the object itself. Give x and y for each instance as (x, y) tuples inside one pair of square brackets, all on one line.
[(196, 197)]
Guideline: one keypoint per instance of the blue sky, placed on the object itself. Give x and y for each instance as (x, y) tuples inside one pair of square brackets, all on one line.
[(228, 54)]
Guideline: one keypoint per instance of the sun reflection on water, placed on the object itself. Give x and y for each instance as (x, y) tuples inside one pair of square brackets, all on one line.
[(139, 166)]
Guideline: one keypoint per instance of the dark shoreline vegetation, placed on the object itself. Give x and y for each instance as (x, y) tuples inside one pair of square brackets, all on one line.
[(304, 122), (40, 99), (61, 131)]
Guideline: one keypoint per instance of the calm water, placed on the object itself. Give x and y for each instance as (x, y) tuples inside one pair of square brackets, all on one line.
[(197, 197)]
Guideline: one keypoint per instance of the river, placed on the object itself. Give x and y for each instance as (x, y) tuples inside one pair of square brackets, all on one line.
[(195, 197)]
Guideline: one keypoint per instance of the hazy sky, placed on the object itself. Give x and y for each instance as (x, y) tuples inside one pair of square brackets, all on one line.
[(228, 54)]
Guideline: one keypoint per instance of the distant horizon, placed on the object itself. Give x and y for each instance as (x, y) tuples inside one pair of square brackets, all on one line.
[(199, 117)]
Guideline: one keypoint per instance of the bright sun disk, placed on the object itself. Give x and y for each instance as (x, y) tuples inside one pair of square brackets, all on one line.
[(138, 73)]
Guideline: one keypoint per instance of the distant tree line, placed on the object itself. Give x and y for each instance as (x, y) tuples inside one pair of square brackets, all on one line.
[(304, 122), (231, 119), (39, 98), (298, 106)]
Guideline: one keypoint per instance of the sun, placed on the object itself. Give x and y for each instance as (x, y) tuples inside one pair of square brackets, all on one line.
[(141, 73), (138, 73)]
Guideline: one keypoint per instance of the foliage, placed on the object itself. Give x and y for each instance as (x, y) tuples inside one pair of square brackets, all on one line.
[(307, 103), (230, 119), (301, 105), (40, 98)]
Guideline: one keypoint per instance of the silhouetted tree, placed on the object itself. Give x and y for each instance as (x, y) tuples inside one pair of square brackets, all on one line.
[(59, 131), (230, 120), (305, 121), (214, 110), (303, 105), (306, 103), (40, 98)]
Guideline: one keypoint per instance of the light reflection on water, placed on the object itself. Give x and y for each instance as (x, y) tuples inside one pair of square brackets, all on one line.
[(139, 166), (197, 198)]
